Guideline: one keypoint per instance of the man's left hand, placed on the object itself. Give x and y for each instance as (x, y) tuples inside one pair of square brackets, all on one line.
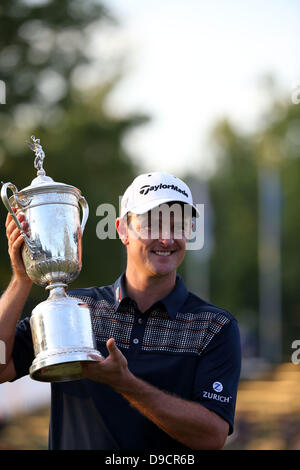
[(112, 370)]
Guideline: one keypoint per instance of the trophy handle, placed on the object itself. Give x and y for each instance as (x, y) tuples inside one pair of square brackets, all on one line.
[(21, 204), (85, 212)]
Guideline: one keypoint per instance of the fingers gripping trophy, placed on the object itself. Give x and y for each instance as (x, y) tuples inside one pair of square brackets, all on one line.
[(60, 326)]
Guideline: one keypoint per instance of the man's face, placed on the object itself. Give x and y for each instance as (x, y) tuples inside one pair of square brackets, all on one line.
[(156, 241)]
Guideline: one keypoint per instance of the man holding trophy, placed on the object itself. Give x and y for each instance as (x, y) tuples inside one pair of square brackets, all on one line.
[(139, 364)]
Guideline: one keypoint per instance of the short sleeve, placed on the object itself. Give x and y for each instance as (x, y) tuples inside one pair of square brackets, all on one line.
[(218, 373), (23, 353)]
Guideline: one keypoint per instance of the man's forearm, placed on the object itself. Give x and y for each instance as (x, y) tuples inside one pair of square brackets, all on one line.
[(188, 422), (11, 305)]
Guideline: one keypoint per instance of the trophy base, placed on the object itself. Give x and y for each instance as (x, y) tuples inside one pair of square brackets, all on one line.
[(62, 337), (61, 367)]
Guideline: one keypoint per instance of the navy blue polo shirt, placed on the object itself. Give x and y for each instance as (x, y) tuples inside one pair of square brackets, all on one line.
[(182, 345)]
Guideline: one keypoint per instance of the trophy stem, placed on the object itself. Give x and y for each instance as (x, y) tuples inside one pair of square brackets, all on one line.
[(57, 290)]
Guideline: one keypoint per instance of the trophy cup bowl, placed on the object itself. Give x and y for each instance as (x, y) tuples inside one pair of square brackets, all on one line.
[(61, 325)]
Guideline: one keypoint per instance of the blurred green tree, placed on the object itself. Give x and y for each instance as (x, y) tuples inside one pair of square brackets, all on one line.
[(282, 127), (234, 266), (234, 198), (45, 52)]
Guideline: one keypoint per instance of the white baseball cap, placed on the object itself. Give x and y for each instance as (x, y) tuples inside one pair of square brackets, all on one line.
[(149, 190)]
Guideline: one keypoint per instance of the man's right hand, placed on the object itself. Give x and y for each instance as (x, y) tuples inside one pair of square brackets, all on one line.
[(15, 244)]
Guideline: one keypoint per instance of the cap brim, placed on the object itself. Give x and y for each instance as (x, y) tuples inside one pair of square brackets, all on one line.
[(152, 204)]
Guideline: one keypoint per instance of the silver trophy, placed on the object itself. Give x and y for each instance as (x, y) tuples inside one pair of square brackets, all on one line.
[(60, 326)]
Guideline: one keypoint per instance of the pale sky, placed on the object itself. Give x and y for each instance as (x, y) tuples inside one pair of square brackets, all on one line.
[(192, 62)]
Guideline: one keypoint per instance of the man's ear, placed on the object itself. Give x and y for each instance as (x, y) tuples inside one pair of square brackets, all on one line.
[(122, 229)]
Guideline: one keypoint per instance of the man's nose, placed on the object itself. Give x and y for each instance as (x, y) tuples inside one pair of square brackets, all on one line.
[(166, 238)]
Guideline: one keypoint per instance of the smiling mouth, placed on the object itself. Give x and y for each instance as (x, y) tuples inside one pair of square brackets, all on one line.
[(163, 253)]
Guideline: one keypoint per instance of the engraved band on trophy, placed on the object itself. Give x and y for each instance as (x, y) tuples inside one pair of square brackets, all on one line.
[(61, 326)]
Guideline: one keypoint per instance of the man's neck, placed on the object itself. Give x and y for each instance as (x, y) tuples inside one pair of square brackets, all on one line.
[(148, 290)]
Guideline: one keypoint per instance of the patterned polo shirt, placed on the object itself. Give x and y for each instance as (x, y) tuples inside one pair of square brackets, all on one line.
[(182, 345)]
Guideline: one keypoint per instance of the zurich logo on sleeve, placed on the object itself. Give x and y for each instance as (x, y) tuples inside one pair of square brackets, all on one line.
[(217, 386)]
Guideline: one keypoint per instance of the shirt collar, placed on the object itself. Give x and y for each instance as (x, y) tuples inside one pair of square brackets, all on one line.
[(119, 290), (171, 302)]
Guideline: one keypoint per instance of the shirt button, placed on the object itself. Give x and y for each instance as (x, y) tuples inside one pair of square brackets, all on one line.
[(140, 321), (136, 341)]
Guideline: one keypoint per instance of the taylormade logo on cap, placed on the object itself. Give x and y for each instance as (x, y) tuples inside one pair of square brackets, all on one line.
[(146, 188), (150, 190)]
